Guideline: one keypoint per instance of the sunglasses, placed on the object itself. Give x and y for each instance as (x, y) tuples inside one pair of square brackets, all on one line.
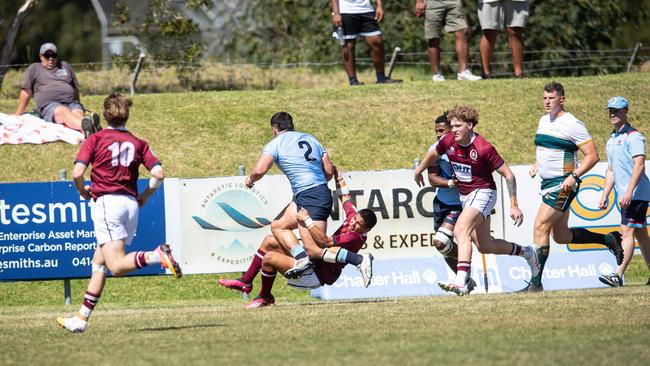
[(614, 110), (49, 55)]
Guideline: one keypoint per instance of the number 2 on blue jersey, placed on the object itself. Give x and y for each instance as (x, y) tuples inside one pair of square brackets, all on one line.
[(305, 144)]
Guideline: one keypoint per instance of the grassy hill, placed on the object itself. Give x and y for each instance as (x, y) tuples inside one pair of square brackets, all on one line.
[(364, 128)]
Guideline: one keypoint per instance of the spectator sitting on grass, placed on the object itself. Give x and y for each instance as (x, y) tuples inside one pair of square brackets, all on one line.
[(55, 88)]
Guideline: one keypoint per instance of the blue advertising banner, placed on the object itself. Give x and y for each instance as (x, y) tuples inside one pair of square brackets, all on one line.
[(420, 276), (46, 231)]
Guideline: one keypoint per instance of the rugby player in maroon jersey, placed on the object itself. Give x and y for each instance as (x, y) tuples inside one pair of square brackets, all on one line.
[(115, 155), (333, 254), (473, 159)]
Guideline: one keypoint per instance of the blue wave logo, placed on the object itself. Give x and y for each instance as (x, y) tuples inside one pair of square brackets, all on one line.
[(235, 210)]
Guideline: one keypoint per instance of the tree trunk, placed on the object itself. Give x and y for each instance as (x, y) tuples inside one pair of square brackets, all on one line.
[(12, 36)]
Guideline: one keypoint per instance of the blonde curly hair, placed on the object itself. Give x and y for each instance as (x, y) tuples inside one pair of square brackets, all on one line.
[(464, 113)]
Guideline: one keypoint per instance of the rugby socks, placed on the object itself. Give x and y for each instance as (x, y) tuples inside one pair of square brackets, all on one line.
[(450, 254), (140, 260), (87, 307), (346, 256), (298, 252), (462, 273), (381, 77), (516, 250), (542, 256), (267, 283), (154, 257), (584, 236), (254, 268)]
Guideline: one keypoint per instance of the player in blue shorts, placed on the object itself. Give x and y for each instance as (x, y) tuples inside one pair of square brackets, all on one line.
[(308, 167), (626, 170)]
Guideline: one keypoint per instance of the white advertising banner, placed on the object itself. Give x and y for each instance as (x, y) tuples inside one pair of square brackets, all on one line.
[(219, 223), (222, 222)]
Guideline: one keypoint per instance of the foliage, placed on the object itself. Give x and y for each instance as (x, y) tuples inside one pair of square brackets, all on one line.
[(299, 31), (166, 35)]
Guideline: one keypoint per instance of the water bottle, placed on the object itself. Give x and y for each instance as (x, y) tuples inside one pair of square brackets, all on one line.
[(339, 35)]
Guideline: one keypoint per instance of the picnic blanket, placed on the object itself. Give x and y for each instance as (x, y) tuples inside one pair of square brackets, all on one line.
[(29, 129)]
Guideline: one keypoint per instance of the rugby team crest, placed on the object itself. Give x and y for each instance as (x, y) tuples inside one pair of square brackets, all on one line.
[(235, 214)]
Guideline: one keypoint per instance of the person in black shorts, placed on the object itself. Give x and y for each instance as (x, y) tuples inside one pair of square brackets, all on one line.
[(358, 18)]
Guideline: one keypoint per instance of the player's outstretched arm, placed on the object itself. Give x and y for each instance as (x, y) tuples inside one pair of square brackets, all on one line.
[(341, 187), (78, 172), (319, 236), (263, 164), (429, 159), (328, 167), (157, 177), (511, 183), (436, 180)]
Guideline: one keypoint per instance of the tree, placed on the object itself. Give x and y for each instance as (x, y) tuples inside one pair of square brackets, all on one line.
[(166, 35), (12, 35)]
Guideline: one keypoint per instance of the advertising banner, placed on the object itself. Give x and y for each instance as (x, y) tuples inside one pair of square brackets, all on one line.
[(223, 222), (46, 231)]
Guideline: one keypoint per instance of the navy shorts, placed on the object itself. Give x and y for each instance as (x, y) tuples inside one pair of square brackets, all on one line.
[(443, 212), (634, 215), (317, 201), (355, 25)]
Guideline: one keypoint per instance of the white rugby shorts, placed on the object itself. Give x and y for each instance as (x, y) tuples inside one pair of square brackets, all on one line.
[(115, 217), (308, 281), (482, 199)]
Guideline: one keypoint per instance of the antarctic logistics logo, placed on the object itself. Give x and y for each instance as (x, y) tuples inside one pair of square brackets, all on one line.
[(234, 214)]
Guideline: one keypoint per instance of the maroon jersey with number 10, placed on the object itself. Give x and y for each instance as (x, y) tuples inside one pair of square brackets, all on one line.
[(115, 155), (472, 164), (328, 273)]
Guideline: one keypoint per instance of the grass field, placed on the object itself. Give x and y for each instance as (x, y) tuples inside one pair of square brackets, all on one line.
[(158, 320), (192, 322)]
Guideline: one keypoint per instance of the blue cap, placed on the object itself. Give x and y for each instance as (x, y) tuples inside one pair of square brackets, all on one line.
[(617, 102)]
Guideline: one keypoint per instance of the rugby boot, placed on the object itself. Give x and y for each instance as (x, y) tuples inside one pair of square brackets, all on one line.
[(612, 280), (236, 284), (260, 301), (73, 324), (300, 266), (168, 261), (365, 267), (615, 246)]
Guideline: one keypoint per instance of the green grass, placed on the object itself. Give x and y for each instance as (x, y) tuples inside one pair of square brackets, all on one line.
[(157, 320), (605, 326), (368, 128)]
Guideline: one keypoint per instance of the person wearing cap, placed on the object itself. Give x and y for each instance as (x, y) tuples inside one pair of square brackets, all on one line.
[(626, 173), (55, 88), (560, 135)]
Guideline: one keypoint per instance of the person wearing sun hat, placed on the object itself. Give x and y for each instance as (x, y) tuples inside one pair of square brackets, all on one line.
[(626, 172), (54, 86)]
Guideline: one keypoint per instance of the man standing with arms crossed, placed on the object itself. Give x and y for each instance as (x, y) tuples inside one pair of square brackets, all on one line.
[(308, 167), (559, 137), (473, 160), (626, 171)]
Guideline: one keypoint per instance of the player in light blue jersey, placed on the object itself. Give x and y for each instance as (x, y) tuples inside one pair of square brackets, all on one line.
[(308, 167), (446, 204), (626, 171)]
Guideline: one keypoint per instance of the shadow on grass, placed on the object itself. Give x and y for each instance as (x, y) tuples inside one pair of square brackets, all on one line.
[(342, 302), (162, 329)]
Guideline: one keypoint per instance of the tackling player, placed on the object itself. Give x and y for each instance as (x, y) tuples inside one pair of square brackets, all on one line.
[(115, 155), (308, 167), (560, 136), (446, 204), (339, 249), (473, 159)]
